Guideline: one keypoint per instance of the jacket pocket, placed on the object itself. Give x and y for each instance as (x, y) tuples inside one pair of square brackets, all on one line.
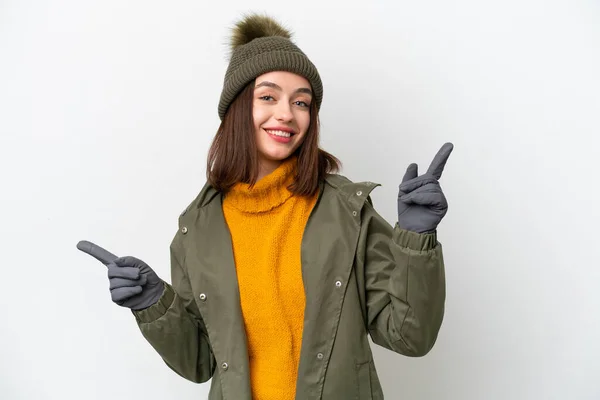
[(363, 381)]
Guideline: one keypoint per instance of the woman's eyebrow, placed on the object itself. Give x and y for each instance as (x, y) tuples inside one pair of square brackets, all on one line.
[(268, 84), (277, 87), (304, 90)]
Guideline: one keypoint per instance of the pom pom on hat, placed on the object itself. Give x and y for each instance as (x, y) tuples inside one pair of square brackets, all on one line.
[(255, 26)]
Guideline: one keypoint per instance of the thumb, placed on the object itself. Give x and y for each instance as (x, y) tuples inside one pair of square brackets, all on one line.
[(411, 172)]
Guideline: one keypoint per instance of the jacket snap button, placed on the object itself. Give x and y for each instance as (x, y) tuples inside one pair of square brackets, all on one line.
[(359, 193), (225, 366), (184, 230), (320, 356), (338, 283), (202, 296), (354, 213)]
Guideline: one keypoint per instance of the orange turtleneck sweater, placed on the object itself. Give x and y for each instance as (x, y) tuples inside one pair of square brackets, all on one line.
[(266, 225)]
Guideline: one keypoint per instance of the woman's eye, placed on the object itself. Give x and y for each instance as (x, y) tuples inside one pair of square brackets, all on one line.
[(301, 103), (266, 98)]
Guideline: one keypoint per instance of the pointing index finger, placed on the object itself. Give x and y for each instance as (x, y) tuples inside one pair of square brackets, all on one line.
[(437, 165), (100, 254)]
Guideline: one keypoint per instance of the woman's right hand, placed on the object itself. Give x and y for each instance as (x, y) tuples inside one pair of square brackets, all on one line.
[(133, 284)]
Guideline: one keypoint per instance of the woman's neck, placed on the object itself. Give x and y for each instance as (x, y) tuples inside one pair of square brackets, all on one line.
[(266, 167)]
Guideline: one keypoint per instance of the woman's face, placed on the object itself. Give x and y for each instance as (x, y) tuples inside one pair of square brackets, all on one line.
[(281, 112)]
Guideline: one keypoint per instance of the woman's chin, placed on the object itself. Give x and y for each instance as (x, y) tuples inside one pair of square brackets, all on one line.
[(277, 156)]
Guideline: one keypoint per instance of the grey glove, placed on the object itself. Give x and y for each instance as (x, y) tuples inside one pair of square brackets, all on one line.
[(133, 284), (421, 202)]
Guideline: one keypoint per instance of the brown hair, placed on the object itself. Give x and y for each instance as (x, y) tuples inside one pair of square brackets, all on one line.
[(233, 155)]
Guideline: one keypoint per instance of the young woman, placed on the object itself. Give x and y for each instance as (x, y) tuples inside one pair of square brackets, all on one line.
[(281, 268)]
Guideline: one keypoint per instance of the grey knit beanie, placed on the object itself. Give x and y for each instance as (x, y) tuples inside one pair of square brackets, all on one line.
[(259, 45)]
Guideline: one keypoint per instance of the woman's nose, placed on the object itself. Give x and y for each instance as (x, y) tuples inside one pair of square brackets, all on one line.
[(284, 112)]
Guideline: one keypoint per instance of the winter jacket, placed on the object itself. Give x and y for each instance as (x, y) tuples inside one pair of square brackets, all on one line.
[(361, 276)]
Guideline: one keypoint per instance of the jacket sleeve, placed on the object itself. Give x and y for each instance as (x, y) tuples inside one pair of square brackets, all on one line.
[(175, 329), (404, 284)]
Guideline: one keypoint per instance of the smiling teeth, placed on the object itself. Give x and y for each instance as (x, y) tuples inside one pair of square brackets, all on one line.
[(280, 133)]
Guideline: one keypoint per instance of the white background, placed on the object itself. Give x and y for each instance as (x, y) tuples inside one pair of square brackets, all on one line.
[(107, 110)]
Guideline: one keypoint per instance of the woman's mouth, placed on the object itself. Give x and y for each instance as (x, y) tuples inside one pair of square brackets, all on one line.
[(280, 135)]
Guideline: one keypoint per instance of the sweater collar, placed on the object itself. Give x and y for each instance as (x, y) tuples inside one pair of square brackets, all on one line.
[(268, 193)]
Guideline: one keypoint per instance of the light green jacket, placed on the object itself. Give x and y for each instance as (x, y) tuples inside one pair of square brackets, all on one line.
[(361, 277)]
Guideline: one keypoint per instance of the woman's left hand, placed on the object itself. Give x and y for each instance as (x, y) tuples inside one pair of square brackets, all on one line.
[(421, 202)]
